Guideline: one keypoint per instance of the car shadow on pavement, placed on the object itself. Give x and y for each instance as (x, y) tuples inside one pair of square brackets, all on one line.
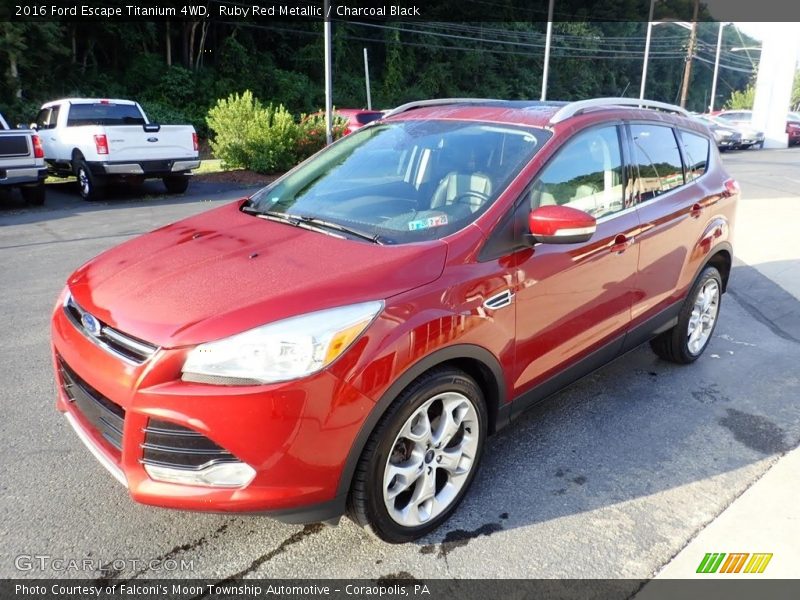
[(643, 443)]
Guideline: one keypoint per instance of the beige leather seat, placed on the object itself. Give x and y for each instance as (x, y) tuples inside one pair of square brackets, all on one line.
[(469, 189)]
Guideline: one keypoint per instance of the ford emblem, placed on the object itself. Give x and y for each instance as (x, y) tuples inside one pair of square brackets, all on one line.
[(152, 139), (91, 325)]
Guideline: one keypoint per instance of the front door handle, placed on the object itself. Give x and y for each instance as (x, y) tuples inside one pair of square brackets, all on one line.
[(621, 243)]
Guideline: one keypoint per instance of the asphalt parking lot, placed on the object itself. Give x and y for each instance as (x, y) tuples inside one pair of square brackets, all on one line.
[(611, 478)]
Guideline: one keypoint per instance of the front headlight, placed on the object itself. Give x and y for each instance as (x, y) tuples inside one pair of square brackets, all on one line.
[(280, 351)]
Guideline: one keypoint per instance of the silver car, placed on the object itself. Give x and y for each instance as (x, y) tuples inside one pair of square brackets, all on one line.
[(742, 121)]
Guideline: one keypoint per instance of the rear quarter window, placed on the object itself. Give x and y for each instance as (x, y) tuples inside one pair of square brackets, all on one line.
[(695, 150), (657, 160)]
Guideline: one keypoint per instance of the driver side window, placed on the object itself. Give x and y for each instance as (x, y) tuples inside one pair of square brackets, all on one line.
[(585, 174)]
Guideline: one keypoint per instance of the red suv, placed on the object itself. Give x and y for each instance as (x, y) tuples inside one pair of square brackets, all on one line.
[(346, 339)]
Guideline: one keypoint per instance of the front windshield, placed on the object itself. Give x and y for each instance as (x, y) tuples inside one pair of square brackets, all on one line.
[(404, 181)]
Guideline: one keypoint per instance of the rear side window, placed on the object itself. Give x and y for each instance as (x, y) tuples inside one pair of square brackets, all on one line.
[(47, 118), (695, 150), (104, 114), (657, 160)]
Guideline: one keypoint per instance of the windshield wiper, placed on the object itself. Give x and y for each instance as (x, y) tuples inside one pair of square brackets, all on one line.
[(311, 223), (372, 237)]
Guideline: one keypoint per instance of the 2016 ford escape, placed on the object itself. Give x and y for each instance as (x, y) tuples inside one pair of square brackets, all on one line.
[(346, 339)]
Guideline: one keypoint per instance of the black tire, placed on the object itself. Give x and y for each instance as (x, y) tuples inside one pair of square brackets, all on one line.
[(366, 505), (33, 194), (176, 184), (89, 185), (673, 344)]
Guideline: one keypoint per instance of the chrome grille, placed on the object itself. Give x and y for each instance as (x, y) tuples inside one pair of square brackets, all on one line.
[(126, 347)]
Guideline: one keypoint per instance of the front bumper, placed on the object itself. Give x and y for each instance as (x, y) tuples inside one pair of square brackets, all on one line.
[(145, 168), (295, 435)]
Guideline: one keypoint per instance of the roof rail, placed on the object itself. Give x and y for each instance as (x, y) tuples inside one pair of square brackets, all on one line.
[(438, 102), (576, 108)]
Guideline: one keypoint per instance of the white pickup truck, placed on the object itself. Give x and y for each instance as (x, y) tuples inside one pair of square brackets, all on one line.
[(22, 162), (100, 140)]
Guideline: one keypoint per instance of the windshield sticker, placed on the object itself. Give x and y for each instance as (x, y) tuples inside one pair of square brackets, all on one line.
[(436, 221)]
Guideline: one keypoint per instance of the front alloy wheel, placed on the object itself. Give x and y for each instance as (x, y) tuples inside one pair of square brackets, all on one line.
[(430, 460), (422, 457)]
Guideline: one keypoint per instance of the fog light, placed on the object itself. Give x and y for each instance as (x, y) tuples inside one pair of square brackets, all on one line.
[(227, 475)]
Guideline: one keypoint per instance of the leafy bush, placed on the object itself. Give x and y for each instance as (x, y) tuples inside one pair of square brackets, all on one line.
[(311, 133), (246, 134), (272, 141)]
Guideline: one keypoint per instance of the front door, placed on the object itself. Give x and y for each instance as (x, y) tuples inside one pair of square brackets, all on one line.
[(573, 301)]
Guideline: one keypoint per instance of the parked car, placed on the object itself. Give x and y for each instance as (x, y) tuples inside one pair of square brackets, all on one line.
[(346, 339), (356, 117), (742, 120), (102, 140), (22, 163), (793, 128), (725, 135)]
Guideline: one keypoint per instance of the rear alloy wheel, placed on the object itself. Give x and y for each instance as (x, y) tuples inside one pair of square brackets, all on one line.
[(421, 459), (88, 185), (685, 342), (176, 184)]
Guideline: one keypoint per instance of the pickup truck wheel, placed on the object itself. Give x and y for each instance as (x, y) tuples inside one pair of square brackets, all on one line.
[(176, 184), (422, 457), (88, 185), (684, 343), (33, 195)]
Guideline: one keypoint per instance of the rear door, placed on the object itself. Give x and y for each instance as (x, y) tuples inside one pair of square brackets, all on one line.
[(573, 301), (670, 205)]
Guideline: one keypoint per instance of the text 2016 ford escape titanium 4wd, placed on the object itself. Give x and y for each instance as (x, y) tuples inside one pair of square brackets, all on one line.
[(346, 339)]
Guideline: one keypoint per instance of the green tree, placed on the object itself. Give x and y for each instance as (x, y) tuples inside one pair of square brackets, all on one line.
[(744, 99)]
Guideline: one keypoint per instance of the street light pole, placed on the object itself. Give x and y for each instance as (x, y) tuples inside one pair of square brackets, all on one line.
[(366, 78), (647, 49), (328, 78), (547, 50), (716, 69)]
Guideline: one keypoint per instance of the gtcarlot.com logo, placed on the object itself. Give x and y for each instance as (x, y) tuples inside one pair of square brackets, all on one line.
[(737, 562), (60, 564)]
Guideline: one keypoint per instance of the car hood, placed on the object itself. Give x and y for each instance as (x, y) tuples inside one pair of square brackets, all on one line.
[(223, 272)]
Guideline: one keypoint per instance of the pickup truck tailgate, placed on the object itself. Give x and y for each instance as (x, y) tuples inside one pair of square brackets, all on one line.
[(133, 143), (15, 151)]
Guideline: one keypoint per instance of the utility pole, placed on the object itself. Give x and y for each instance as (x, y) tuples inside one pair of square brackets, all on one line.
[(547, 50), (366, 78), (687, 71)]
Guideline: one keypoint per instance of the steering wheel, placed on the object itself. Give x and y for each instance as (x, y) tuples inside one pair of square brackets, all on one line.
[(464, 197)]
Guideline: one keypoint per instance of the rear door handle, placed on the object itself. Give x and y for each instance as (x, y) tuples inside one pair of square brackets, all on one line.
[(621, 243), (696, 211)]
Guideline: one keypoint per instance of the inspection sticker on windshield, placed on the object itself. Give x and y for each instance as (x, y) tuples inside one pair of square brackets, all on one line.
[(436, 221)]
